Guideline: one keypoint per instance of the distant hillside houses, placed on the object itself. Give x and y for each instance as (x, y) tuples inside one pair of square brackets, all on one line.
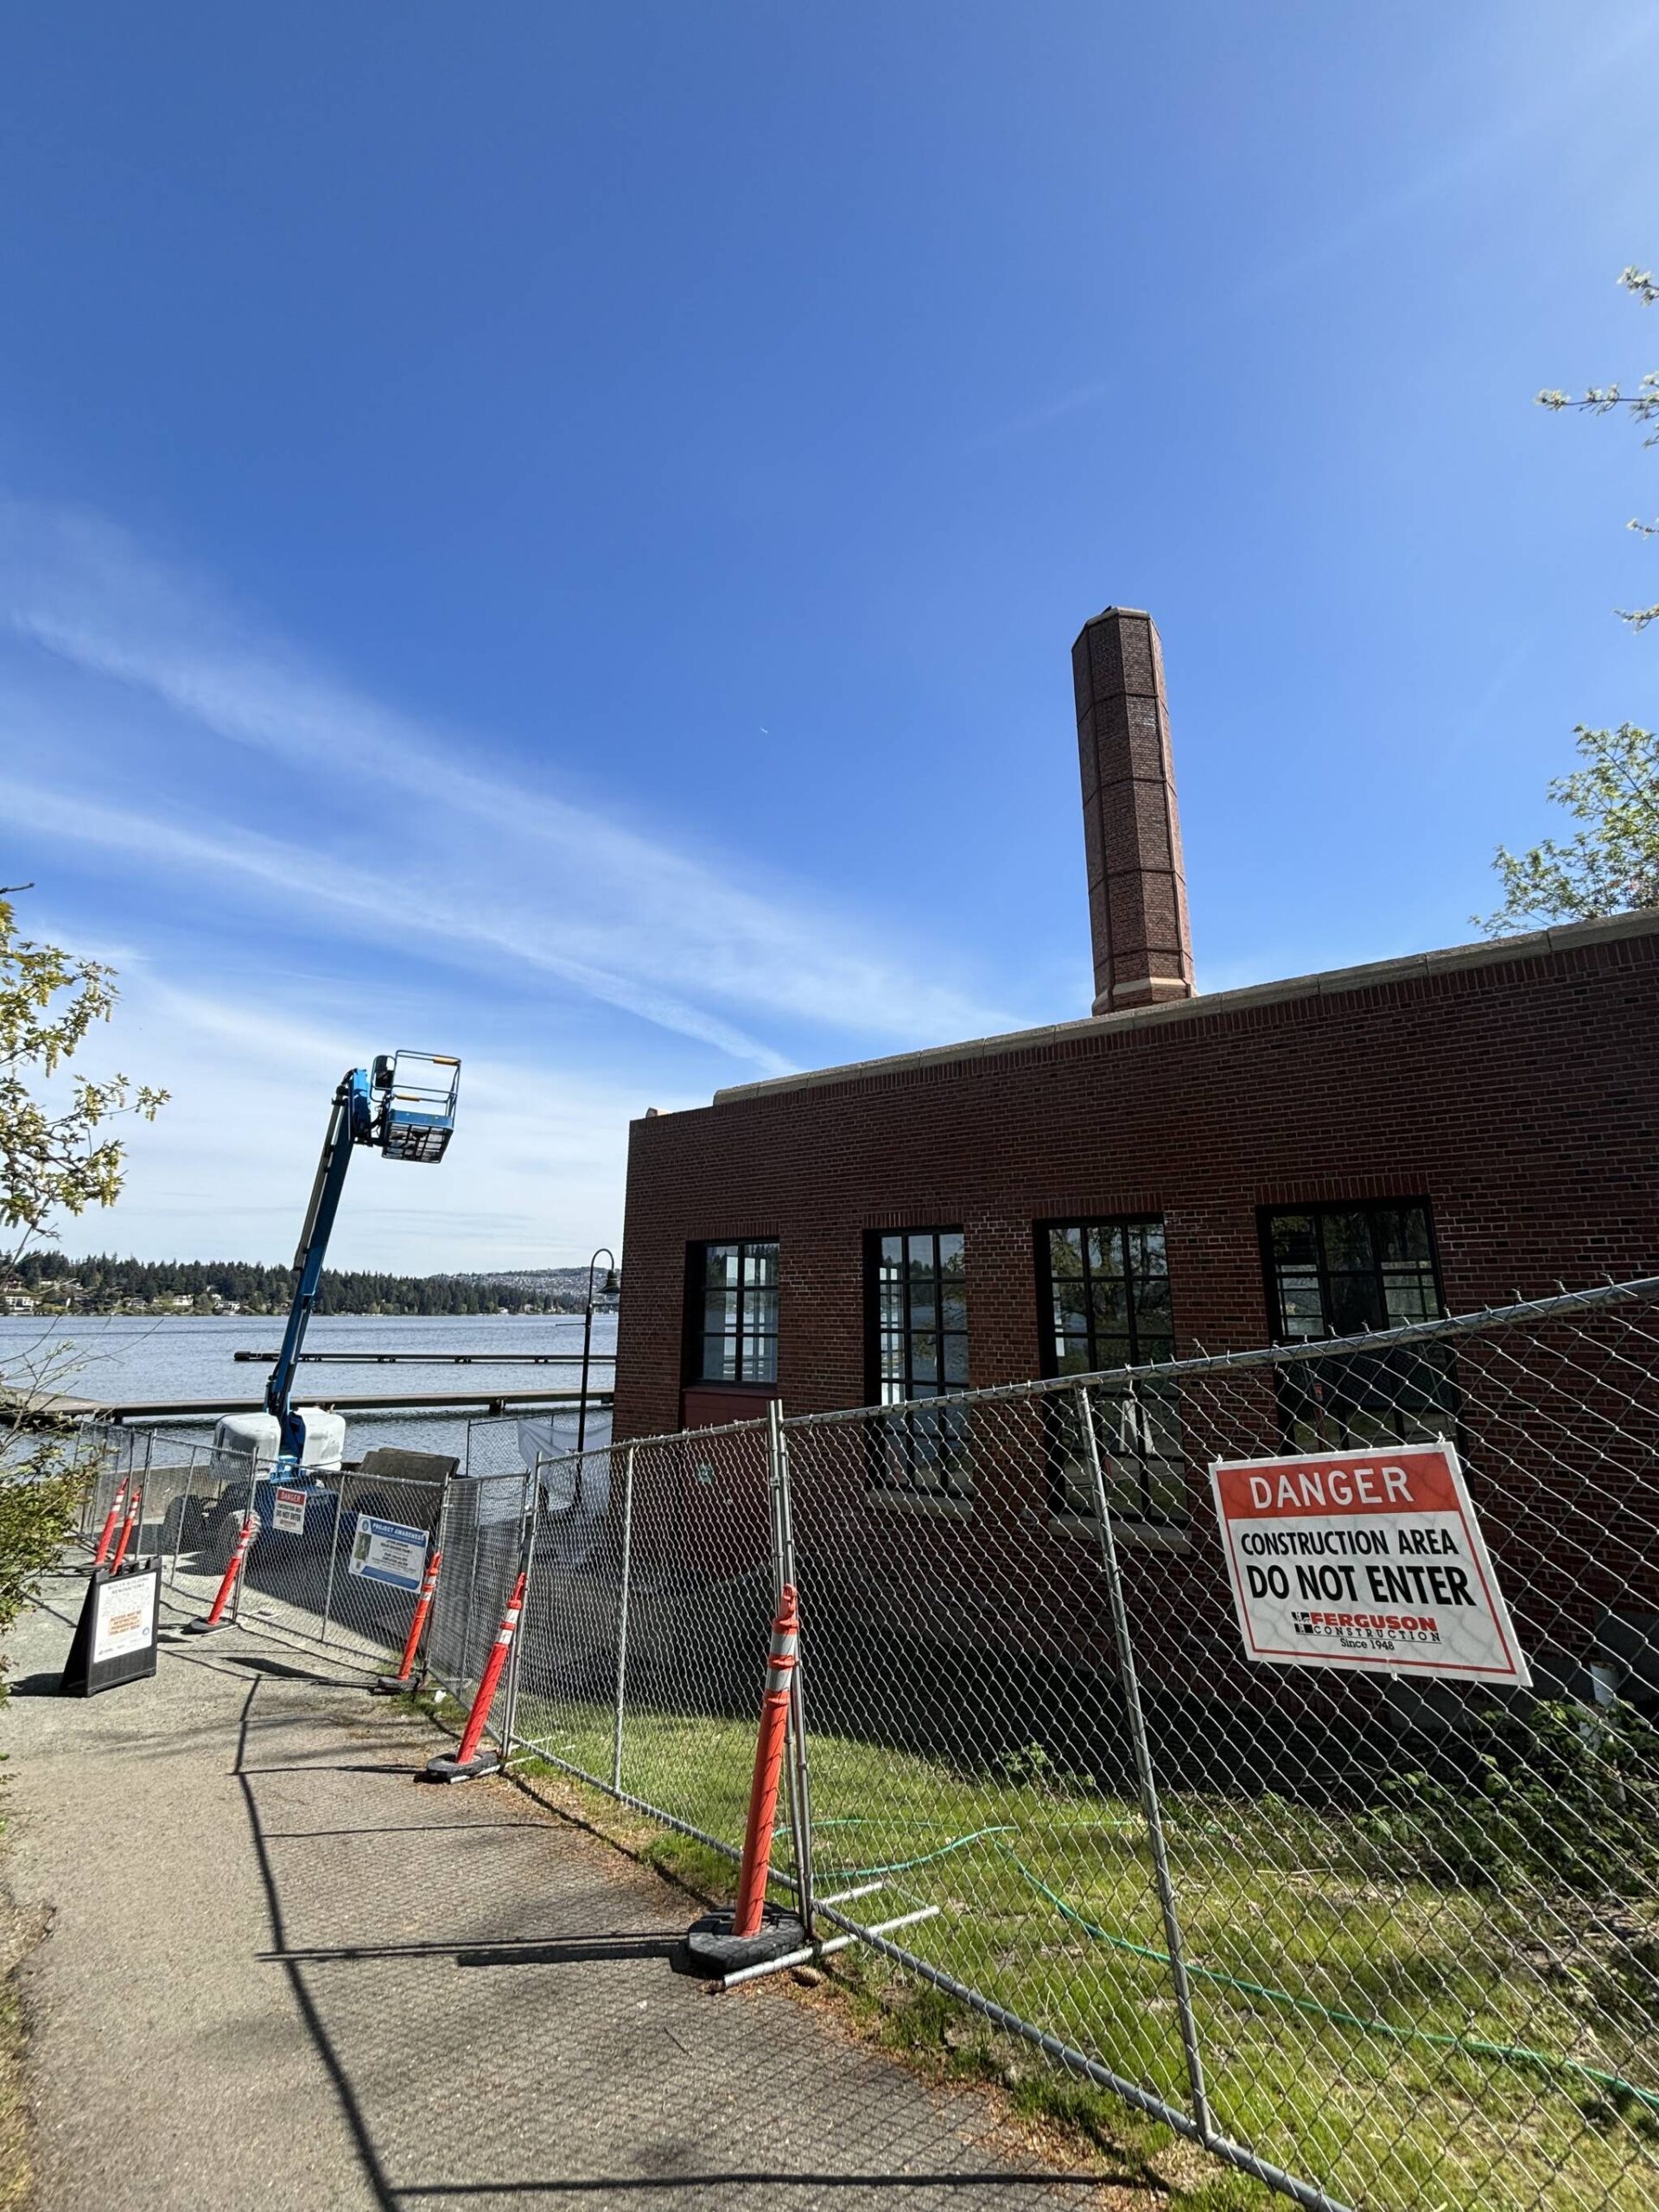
[(47, 1282)]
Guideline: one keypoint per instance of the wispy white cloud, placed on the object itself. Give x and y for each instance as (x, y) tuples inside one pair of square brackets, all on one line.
[(533, 1178), (1039, 418), (1473, 153), (381, 905), (619, 915)]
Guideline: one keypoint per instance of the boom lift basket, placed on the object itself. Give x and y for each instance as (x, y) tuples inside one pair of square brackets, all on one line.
[(417, 1117)]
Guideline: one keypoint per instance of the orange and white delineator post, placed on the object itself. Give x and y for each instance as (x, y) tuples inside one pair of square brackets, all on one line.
[(385, 1685), (238, 1560), (468, 1761), (753, 1933), (106, 1535), (768, 1767), (130, 1526)]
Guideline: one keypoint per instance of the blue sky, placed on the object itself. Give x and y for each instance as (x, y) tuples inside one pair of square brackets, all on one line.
[(554, 533)]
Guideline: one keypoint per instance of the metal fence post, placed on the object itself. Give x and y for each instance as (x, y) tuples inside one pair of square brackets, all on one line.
[(463, 1668), (622, 1618), (90, 1452), (800, 1782), (184, 1496), (250, 1510), (528, 1520), (439, 1539), (1136, 1718), (333, 1550)]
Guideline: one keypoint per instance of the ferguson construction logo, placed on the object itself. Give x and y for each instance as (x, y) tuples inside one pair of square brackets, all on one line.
[(1365, 1559), (1403, 1627)]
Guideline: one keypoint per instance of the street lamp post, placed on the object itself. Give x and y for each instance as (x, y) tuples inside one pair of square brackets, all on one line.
[(603, 1253)]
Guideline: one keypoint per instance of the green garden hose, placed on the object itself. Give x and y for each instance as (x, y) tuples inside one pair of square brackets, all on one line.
[(1477, 2045), (901, 1865)]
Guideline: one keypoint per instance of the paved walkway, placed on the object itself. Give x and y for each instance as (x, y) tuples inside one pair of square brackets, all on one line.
[(280, 1978)]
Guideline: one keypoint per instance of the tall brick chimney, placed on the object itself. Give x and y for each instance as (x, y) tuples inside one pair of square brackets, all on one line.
[(1131, 830)]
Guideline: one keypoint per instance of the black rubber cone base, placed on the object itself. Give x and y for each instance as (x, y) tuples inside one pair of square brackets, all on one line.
[(392, 1686), (711, 1948), (448, 1768), (205, 1628)]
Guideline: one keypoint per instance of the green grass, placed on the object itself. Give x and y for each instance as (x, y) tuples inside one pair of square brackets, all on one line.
[(1292, 1903)]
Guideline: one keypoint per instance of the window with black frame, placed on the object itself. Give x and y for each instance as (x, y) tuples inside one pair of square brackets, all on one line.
[(1105, 1289), (732, 1322), (1344, 1270), (919, 1347)]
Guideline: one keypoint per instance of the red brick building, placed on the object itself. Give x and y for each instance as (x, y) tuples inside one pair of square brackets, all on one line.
[(1175, 1173)]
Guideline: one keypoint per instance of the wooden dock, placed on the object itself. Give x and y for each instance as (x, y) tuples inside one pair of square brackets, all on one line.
[(433, 1359), (408, 1401)]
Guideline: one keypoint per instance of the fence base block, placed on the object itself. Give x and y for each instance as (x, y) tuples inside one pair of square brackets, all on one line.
[(711, 1948), (448, 1768)]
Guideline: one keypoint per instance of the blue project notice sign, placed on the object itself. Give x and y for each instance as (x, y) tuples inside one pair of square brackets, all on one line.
[(384, 1551)]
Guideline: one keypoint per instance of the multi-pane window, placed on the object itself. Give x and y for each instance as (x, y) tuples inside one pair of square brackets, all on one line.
[(1108, 1291), (920, 1348), (1106, 1298), (1345, 1270), (734, 1311), (1338, 1269)]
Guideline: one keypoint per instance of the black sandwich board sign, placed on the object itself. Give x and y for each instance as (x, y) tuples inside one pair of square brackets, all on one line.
[(115, 1642)]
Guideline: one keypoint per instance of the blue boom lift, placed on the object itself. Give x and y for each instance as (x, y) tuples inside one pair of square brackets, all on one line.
[(404, 1107)]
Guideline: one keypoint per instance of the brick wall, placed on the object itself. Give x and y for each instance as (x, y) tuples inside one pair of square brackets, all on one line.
[(1513, 1088)]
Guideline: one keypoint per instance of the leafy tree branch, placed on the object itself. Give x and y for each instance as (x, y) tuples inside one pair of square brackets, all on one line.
[(1642, 406), (1611, 864), (58, 1155)]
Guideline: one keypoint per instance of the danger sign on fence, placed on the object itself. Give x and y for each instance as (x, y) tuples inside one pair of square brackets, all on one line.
[(288, 1513), (1365, 1559)]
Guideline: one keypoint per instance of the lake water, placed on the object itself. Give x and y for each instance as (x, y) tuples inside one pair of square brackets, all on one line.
[(131, 1357)]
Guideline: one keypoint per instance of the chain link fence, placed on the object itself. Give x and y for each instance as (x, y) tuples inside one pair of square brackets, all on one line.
[(179, 1484), (1381, 1941), (336, 1556), (486, 1532), (651, 1590)]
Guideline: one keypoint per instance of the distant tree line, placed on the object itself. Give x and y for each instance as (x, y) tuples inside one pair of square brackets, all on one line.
[(103, 1282)]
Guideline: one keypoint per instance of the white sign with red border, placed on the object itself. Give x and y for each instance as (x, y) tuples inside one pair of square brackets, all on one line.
[(288, 1512), (1371, 1560), (124, 1620)]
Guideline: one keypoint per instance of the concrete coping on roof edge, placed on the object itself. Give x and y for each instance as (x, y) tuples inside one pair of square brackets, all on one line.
[(1415, 967)]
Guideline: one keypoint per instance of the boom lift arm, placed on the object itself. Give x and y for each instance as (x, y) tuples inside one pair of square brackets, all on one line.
[(404, 1107)]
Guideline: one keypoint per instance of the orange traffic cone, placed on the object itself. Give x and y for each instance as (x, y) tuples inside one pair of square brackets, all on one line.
[(129, 1526), (244, 1543), (467, 1762), (389, 1685), (106, 1536), (754, 1932)]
